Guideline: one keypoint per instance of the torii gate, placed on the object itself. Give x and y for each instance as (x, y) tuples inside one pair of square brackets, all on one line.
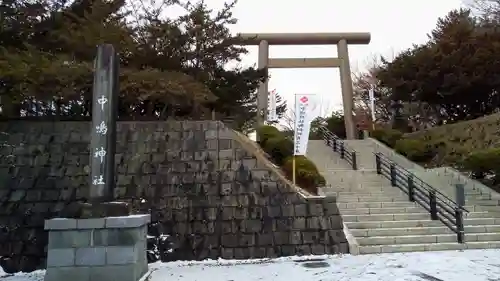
[(263, 40)]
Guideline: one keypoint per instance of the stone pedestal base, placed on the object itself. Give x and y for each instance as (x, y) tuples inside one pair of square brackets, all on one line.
[(98, 249)]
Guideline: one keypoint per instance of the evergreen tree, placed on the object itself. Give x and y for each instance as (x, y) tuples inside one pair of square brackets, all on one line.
[(169, 66)]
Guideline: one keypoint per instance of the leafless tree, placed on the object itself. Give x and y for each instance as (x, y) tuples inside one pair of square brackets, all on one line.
[(486, 9), (289, 120)]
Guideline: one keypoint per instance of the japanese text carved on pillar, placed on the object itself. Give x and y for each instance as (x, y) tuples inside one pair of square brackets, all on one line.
[(103, 130)]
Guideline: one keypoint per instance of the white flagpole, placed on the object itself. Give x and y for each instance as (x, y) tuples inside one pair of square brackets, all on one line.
[(372, 103)]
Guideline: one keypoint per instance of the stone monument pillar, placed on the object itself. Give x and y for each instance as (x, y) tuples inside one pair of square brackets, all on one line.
[(99, 240)]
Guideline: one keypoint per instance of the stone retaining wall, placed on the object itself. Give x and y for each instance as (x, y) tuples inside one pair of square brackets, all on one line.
[(200, 186)]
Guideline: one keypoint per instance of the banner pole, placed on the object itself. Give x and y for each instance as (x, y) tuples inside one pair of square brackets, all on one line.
[(293, 169), (372, 105)]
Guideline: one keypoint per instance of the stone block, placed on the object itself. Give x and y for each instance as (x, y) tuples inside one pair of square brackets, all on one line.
[(118, 237), (318, 249), (91, 256), (60, 257), (116, 273), (230, 240), (295, 237), (331, 209), (336, 222), (310, 237), (299, 223), (304, 250), (312, 223), (69, 239), (90, 223), (281, 238), (287, 250), (69, 273), (226, 154), (227, 253), (60, 224), (315, 209), (128, 221), (288, 210), (264, 239), (301, 210), (121, 255)]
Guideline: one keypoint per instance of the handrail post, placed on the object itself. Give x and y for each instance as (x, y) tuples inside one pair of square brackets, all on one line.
[(459, 221), (459, 215), (393, 174), (354, 161), (411, 188), (433, 204), (334, 145), (378, 164), (342, 150), (460, 194)]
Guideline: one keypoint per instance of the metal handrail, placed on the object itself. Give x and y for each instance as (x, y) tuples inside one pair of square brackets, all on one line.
[(439, 205), (339, 146)]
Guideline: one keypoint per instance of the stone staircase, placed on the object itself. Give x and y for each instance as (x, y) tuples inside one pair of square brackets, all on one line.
[(476, 193), (381, 219)]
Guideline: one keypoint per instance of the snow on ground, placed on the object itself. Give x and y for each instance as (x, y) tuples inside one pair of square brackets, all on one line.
[(472, 265)]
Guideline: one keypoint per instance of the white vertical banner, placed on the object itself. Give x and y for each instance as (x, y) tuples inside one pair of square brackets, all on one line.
[(306, 107), (273, 115), (372, 102)]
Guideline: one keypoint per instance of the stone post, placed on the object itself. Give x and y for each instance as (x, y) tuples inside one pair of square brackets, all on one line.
[(347, 90), (103, 130), (99, 240), (262, 93)]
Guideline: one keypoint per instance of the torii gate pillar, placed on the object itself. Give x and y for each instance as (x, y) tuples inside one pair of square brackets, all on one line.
[(342, 62)]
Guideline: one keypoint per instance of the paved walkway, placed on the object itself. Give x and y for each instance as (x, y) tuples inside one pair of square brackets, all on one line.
[(472, 265)]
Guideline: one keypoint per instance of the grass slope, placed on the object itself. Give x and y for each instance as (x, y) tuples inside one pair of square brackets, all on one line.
[(455, 141)]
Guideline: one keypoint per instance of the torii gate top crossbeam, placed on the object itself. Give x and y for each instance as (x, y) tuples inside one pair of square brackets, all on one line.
[(360, 38)]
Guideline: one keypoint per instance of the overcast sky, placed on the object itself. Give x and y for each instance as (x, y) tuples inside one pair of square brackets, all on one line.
[(394, 26)]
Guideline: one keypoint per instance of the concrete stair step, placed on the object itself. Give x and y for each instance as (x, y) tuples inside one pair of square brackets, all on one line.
[(407, 239), (341, 186), (475, 208), (491, 209), (481, 215), (358, 189), (393, 224), (482, 197), (399, 248), (337, 192), (483, 245), (355, 174), (370, 199), (473, 192), (482, 229), (349, 182), (482, 237), (481, 221), (366, 211), (400, 231), (385, 217), (483, 202), (353, 205), (370, 193)]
